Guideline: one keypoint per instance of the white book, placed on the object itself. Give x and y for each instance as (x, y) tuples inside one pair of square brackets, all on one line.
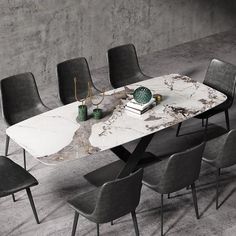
[(137, 111), (134, 115), (139, 106)]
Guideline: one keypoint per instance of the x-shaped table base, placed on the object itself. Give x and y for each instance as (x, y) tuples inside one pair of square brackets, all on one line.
[(129, 162)]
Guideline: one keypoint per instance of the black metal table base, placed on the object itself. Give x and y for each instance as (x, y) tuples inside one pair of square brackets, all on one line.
[(129, 162)]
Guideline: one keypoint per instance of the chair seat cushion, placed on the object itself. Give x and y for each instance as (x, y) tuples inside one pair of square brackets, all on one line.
[(85, 203), (153, 174), (220, 108), (13, 177)]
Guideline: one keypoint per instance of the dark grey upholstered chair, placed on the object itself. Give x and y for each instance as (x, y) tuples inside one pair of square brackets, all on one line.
[(20, 101), (123, 66), (13, 179), (109, 202), (175, 173), (221, 153), (68, 70), (220, 76)]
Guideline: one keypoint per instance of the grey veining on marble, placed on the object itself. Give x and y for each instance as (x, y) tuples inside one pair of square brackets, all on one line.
[(54, 136)]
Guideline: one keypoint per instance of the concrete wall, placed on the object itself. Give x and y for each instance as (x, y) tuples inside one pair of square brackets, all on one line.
[(37, 34)]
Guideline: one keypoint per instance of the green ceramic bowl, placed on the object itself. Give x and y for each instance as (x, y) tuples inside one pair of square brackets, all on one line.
[(142, 95)]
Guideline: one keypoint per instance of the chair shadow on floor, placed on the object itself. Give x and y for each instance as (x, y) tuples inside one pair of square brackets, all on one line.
[(223, 184), (170, 209), (17, 227), (213, 201), (156, 210), (47, 216), (208, 186), (180, 217), (227, 197)]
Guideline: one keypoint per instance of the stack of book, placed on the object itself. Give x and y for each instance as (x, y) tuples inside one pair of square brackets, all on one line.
[(138, 108)]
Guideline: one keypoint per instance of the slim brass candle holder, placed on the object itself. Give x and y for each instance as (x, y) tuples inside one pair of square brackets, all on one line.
[(97, 112), (82, 109)]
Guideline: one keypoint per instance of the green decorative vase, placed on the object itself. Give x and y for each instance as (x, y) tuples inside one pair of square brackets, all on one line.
[(97, 113), (142, 95), (82, 113)]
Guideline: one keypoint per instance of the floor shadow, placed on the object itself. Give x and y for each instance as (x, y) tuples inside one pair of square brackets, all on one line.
[(206, 208), (227, 197), (175, 222), (15, 228), (51, 212)]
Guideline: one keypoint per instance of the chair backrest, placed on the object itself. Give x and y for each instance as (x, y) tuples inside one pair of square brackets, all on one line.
[(227, 154), (19, 96), (123, 65), (118, 197), (68, 70), (182, 169), (221, 76)]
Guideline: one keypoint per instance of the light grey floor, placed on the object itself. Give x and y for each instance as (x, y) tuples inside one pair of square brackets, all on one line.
[(57, 184)]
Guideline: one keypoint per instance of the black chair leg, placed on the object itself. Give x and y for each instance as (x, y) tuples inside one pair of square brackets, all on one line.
[(195, 199), (168, 195), (135, 223), (76, 217), (7, 144), (178, 129), (162, 215), (13, 198), (32, 204), (202, 122), (24, 156), (217, 188), (97, 229), (227, 119), (205, 131)]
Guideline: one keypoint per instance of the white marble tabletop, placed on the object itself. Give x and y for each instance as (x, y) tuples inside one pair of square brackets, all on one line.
[(55, 136)]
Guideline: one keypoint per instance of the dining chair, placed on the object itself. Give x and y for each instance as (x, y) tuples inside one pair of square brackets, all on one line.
[(20, 101), (178, 171), (220, 152), (109, 202), (13, 179), (220, 76), (67, 71), (124, 67)]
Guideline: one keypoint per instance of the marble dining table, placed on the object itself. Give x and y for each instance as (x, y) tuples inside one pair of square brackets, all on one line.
[(56, 136)]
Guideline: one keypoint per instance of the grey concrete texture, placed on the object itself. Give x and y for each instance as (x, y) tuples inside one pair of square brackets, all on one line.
[(36, 35), (58, 184)]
